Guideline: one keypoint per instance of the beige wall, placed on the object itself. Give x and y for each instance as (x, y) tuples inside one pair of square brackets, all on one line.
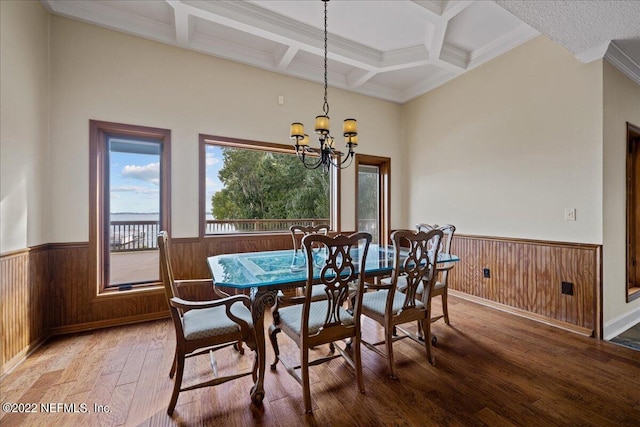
[(505, 148), (621, 105), (104, 75), (24, 73)]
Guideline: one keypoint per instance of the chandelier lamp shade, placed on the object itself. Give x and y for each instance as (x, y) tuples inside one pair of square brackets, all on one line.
[(325, 154)]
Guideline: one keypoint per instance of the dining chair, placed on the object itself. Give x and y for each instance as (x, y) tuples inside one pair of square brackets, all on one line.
[(203, 326), (390, 307), (333, 263), (440, 287), (297, 234)]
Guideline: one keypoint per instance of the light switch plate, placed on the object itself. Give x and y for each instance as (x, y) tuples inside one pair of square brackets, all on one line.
[(570, 214)]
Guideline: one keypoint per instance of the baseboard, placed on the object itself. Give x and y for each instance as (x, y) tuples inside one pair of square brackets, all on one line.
[(621, 323), (16, 360), (82, 327), (523, 313)]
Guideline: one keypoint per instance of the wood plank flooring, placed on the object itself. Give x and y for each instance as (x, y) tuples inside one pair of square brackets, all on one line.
[(492, 369)]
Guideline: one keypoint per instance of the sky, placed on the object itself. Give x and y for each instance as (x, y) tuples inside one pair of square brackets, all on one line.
[(214, 164), (135, 180)]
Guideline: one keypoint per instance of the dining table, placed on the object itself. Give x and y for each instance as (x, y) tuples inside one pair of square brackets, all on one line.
[(263, 274)]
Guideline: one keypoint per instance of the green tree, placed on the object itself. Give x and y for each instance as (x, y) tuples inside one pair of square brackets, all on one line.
[(367, 194), (266, 185)]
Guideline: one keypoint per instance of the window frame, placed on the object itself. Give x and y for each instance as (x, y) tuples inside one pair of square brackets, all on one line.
[(384, 184), (632, 201), (205, 139), (99, 218)]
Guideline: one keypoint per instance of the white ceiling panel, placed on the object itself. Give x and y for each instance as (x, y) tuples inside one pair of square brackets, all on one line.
[(391, 49), (401, 80), (469, 30)]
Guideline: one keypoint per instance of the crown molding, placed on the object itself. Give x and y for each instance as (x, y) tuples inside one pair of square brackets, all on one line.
[(622, 62)]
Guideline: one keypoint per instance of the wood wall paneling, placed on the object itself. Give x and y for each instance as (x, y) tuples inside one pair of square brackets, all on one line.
[(528, 275), (24, 304), (51, 289), (73, 295)]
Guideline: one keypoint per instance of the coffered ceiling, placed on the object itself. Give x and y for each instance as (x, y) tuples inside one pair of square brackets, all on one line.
[(394, 50)]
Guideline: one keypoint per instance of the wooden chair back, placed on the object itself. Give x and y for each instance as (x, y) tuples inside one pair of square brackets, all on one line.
[(299, 231), (447, 230), (418, 266), (440, 286), (341, 262), (166, 275), (415, 257)]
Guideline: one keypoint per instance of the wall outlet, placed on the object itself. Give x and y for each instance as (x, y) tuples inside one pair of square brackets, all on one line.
[(567, 288), (486, 273), (570, 214)]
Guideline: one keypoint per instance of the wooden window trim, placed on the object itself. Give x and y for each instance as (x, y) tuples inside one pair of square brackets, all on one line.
[(98, 217), (633, 138), (384, 165)]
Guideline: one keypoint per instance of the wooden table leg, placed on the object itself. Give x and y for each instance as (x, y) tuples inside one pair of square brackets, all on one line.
[(260, 300)]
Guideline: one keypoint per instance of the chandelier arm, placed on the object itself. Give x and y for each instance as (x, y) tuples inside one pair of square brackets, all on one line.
[(344, 163), (313, 165), (305, 160)]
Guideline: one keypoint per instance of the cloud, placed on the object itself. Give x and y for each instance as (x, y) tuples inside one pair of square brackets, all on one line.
[(213, 185), (212, 159), (148, 173)]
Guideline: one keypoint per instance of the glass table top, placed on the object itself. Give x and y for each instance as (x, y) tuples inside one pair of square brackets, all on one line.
[(272, 268)]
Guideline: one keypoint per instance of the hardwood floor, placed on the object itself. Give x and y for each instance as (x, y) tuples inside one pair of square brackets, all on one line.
[(492, 369)]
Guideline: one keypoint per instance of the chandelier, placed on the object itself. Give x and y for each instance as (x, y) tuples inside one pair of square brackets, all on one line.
[(325, 155)]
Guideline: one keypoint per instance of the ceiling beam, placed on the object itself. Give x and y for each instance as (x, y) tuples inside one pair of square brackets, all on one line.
[(284, 56), (357, 78), (181, 21)]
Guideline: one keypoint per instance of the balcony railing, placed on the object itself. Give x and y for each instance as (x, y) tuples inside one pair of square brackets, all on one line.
[(129, 236), (257, 225)]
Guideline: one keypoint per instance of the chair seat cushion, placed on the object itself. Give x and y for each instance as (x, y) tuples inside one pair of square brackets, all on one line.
[(213, 321), (291, 317), (402, 284), (388, 280), (317, 293), (438, 285), (375, 302)]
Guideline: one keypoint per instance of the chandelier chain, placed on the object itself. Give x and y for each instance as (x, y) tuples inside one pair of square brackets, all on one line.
[(325, 106)]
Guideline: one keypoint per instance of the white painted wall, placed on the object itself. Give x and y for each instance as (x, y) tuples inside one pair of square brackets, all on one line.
[(24, 122), (621, 105), (505, 148), (104, 75)]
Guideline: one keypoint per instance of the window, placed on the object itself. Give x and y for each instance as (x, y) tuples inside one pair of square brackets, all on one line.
[(255, 187), (372, 194), (129, 203)]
